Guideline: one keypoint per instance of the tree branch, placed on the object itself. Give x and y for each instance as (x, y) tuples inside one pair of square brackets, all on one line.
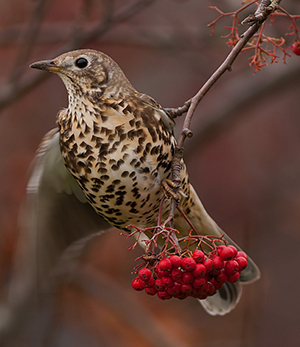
[(264, 9)]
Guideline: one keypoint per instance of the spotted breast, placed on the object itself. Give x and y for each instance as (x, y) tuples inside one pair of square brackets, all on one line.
[(119, 149)]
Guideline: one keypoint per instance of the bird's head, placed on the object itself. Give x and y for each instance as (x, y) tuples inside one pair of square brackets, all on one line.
[(87, 72)]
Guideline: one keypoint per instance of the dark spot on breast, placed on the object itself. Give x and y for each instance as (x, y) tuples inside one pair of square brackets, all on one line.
[(105, 131), (120, 200), (103, 118), (131, 134), (104, 177), (106, 197), (122, 137), (103, 150), (139, 149), (136, 193), (96, 128), (87, 129), (124, 148), (127, 109), (147, 149), (110, 188)]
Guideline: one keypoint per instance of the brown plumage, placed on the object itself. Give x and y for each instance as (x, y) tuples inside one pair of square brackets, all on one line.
[(118, 144)]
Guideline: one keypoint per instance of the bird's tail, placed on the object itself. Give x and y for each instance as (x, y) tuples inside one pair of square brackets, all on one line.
[(205, 225), (229, 294), (225, 299)]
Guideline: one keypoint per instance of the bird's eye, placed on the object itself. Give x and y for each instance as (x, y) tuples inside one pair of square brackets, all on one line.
[(81, 63)]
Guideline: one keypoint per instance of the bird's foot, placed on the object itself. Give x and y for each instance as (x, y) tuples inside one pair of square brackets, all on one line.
[(170, 189)]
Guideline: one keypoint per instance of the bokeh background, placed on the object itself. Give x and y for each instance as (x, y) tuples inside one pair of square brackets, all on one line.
[(243, 160)]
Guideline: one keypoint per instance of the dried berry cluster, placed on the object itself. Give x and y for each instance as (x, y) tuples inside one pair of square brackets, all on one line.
[(195, 274)]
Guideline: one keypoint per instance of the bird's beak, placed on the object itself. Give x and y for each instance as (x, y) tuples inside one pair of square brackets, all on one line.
[(48, 65)]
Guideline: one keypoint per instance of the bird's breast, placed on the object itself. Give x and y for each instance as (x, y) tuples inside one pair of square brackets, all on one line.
[(118, 165)]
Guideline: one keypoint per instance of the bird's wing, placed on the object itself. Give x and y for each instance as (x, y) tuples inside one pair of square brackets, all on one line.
[(54, 217), (160, 111), (56, 213)]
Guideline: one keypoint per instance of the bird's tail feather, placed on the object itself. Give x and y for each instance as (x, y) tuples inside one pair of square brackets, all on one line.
[(224, 300)]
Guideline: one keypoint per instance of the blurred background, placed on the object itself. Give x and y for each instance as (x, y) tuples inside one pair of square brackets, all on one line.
[(243, 161)]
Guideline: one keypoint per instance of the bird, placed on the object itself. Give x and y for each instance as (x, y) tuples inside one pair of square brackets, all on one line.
[(108, 162)]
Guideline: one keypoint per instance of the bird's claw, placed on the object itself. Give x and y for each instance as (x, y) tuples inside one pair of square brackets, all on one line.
[(170, 189)]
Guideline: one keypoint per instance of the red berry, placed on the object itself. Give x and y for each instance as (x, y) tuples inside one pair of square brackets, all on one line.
[(160, 273), (144, 274), (176, 275), (234, 250), (206, 287), (234, 277), (219, 248), (151, 291), (200, 270), (187, 277), (180, 296), (199, 282), (175, 290), (188, 264), (217, 263), (159, 285), (226, 253), (165, 265), (164, 295), (149, 283), (231, 267), (137, 284), (222, 276), (242, 263), (198, 256), (211, 290), (194, 292), (208, 264), (202, 293), (296, 48), (167, 281), (175, 260), (216, 284), (241, 254), (186, 288)]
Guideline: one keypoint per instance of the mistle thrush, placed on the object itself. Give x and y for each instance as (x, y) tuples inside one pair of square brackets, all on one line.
[(118, 145)]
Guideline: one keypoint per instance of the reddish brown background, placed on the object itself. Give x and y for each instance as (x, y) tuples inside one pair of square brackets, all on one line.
[(247, 172)]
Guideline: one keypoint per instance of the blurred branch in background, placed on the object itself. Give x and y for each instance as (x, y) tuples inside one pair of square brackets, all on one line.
[(14, 88), (243, 91)]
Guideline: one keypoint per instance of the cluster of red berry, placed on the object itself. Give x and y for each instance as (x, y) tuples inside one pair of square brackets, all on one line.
[(198, 275)]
